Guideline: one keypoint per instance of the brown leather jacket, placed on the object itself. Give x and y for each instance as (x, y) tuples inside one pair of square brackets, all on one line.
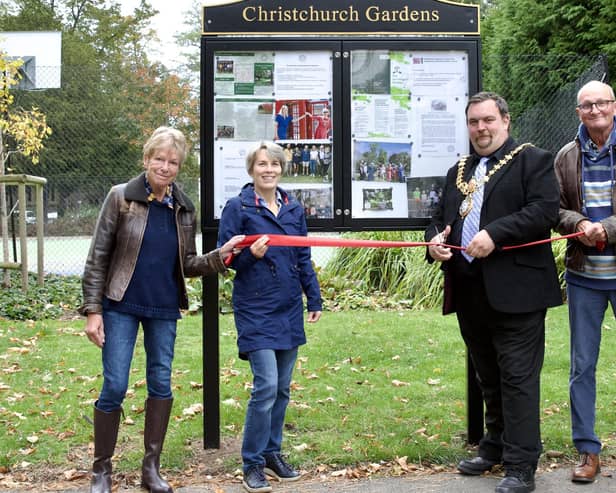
[(117, 241), (568, 165)]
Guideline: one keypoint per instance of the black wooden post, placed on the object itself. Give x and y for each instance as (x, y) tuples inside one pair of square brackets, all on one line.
[(211, 357)]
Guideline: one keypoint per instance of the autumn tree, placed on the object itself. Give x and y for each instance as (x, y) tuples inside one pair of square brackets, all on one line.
[(22, 131), (112, 96)]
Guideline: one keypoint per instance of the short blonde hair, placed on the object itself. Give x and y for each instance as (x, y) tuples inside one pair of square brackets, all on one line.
[(273, 151), (166, 138)]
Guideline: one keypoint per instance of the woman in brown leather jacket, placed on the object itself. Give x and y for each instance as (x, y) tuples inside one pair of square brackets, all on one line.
[(143, 247)]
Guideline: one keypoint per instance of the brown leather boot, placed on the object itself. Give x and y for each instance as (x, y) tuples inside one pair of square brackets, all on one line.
[(157, 412), (588, 468), (105, 436)]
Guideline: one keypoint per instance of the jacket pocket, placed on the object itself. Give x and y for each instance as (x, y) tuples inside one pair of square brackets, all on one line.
[(530, 257)]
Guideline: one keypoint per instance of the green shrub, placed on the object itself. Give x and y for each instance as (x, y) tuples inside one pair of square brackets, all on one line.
[(57, 296), (388, 277), (392, 277)]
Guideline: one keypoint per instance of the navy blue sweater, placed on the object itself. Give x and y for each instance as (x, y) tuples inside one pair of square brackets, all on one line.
[(153, 290)]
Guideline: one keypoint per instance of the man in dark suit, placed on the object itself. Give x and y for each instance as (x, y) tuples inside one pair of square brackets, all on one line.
[(503, 194)]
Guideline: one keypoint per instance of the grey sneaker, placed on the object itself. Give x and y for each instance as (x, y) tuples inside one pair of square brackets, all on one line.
[(277, 467), (255, 482)]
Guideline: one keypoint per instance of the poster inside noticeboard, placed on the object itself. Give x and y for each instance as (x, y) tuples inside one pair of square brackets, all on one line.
[(283, 97), (408, 127)]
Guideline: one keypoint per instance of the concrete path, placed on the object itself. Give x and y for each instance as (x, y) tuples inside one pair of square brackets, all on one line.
[(554, 481)]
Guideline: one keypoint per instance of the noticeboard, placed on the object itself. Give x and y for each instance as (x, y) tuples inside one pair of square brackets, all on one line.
[(369, 127), (366, 97)]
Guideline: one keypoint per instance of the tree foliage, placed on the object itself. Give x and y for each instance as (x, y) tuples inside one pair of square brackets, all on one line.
[(523, 38), (189, 41), (22, 130), (111, 97)]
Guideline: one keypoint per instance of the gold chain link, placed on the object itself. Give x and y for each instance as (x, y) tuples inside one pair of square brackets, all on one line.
[(470, 186)]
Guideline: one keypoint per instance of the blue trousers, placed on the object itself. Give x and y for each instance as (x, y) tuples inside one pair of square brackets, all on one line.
[(587, 309), (120, 336), (272, 371)]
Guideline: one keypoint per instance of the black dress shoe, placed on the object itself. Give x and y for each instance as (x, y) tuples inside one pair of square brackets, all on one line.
[(476, 465), (517, 481)]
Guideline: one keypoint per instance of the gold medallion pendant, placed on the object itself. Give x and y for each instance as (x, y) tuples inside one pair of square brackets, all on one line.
[(466, 206)]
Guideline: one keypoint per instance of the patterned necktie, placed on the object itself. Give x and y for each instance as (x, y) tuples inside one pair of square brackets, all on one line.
[(471, 222)]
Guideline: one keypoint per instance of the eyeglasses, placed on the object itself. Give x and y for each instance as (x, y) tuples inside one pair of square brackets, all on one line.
[(601, 105)]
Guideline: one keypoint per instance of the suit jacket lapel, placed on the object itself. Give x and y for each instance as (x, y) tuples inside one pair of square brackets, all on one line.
[(496, 177)]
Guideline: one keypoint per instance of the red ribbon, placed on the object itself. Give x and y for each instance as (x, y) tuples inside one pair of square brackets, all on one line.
[(316, 241)]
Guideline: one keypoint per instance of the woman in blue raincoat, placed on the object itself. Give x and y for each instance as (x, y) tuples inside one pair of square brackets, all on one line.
[(268, 308)]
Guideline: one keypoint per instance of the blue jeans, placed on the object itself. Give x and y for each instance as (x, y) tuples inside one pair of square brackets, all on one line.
[(272, 371), (586, 312), (120, 337)]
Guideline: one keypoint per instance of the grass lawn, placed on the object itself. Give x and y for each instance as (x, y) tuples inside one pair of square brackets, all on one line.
[(369, 386)]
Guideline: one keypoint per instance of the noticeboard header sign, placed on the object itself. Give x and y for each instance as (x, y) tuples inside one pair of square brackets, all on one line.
[(287, 17)]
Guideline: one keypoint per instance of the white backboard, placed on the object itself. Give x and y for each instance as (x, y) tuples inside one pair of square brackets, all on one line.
[(41, 53)]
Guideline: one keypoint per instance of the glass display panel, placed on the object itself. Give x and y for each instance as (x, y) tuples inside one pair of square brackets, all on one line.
[(407, 127), (284, 96)]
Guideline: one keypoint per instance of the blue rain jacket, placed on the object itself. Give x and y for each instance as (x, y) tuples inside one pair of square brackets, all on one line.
[(267, 293)]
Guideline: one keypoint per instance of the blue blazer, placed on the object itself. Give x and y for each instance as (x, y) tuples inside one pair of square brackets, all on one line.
[(267, 293)]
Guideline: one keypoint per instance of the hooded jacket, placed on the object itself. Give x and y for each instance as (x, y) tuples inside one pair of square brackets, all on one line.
[(267, 293)]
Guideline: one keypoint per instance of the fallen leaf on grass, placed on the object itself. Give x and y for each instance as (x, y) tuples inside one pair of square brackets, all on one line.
[(20, 350), (398, 383), (401, 461), (74, 474), (301, 447), (231, 402), (194, 409), (14, 368), (65, 434)]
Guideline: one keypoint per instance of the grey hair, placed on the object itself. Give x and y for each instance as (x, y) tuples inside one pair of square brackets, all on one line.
[(166, 138), (273, 152), (595, 83)]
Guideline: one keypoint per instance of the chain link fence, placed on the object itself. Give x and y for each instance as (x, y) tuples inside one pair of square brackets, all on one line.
[(546, 115), (94, 145)]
